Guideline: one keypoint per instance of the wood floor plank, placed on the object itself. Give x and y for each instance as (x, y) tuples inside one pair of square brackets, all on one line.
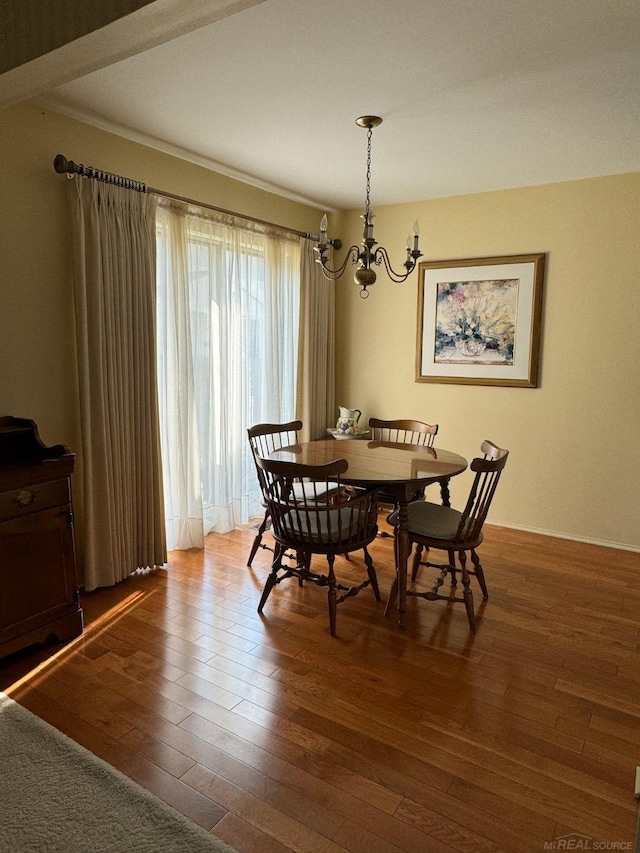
[(171, 760), (293, 763), (278, 737), (357, 839), (447, 831), (340, 774), (258, 811), (491, 795), (285, 761), (392, 767), (289, 831), (218, 683), (479, 764), (616, 742), (288, 799), (243, 836), (600, 697)]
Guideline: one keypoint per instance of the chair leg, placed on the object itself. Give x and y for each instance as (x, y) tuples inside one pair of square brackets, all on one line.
[(272, 578), (416, 562), (452, 570), (331, 596), (301, 560), (373, 578), (467, 595), (479, 573), (258, 539)]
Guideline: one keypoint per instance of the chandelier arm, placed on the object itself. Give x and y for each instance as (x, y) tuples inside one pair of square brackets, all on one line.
[(331, 274), (380, 254)]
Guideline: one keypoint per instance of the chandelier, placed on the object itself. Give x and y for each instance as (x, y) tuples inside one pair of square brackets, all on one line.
[(365, 256)]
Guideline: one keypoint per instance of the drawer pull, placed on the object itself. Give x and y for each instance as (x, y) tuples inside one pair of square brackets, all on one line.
[(24, 498)]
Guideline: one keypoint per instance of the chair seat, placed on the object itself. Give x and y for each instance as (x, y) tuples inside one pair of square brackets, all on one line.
[(335, 526), (432, 520)]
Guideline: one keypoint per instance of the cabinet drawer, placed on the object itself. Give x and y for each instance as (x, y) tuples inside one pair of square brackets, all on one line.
[(33, 498)]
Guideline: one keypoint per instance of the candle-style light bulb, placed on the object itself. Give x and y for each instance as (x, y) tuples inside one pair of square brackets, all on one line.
[(323, 230), (416, 234), (370, 219)]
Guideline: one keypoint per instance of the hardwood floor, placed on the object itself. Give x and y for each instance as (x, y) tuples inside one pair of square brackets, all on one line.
[(279, 738)]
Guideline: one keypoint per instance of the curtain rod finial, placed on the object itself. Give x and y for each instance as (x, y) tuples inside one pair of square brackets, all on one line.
[(62, 165)]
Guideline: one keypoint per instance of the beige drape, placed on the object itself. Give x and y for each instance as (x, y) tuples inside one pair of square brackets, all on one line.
[(315, 403), (113, 231)]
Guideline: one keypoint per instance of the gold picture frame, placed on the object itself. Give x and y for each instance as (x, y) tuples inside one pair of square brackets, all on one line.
[(479, 320)]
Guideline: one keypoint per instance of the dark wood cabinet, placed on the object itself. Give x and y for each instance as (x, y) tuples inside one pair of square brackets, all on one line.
[(39, 597)]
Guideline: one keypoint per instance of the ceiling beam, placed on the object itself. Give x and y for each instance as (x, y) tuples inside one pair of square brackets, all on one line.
[(95, 42)]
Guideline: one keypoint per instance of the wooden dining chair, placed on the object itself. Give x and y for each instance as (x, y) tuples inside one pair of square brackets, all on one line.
[(436, 527), (263, 440), (310, 514), (405, 431), (401, 432)]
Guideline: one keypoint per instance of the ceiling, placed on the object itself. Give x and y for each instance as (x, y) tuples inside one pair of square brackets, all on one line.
[(475, 96)]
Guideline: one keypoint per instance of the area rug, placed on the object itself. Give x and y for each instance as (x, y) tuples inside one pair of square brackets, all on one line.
[(56, 797)]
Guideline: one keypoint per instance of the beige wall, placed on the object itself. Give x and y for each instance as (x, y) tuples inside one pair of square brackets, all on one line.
[(574, 468)]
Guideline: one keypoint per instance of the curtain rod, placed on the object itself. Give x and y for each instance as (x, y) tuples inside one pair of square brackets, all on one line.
[(62, 166)]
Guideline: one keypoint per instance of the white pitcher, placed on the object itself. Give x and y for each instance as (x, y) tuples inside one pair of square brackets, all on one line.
[(348, 420)]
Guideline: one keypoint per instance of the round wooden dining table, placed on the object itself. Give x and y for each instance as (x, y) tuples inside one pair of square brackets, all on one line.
[(398, 469)]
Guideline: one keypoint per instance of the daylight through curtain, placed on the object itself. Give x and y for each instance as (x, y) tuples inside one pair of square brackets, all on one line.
[(228, 317)]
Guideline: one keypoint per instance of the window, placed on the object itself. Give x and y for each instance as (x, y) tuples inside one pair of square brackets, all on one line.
[(228, 317)]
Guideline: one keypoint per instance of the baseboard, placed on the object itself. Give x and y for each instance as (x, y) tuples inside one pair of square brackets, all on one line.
[(557, 535)]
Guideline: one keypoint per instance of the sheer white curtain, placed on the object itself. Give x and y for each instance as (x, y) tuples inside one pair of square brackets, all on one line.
[(113, 233), (228, 318)]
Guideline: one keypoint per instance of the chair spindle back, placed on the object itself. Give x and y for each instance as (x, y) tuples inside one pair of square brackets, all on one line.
[(488, 471), (403, 432), (265, 438)]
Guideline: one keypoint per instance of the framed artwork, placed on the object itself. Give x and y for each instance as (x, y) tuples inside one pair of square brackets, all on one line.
[(479, 321)]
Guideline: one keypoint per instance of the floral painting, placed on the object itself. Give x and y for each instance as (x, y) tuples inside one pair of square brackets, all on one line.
[(479, 320), (476, 322)]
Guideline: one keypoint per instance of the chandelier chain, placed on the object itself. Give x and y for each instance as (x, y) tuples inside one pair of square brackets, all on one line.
[(367, 200)]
